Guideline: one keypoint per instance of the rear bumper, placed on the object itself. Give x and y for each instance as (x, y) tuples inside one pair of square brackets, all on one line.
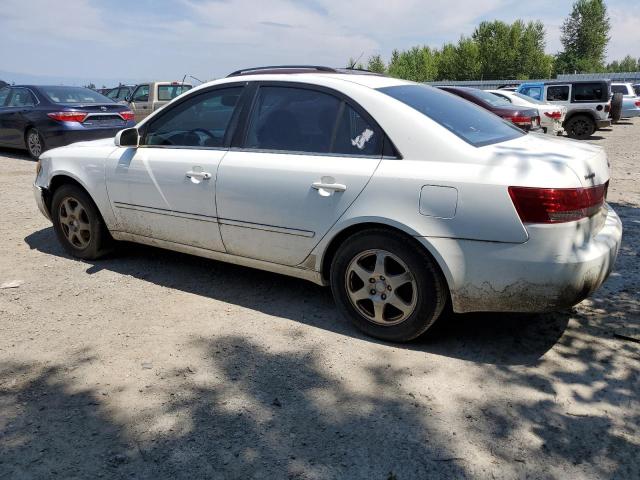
[(38, 193), (65, 136), (552, 270), (603, 123)]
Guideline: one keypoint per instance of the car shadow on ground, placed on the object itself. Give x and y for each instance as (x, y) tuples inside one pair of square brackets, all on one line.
[(271, 414), (15, 154), (485, 338)]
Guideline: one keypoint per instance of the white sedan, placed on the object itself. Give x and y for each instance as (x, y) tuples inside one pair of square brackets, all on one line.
[(402, 197), (551, 115)]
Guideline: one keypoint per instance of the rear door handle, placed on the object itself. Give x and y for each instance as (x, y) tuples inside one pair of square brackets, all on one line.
[(198, 175), (336, 187)]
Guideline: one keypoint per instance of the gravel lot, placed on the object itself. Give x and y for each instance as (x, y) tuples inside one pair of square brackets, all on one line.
[(150, 364)]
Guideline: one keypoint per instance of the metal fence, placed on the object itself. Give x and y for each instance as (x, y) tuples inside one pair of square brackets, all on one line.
[(492, 84)]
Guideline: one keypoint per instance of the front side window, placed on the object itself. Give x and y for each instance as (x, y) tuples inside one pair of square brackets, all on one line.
[(302, 120), (471, 123), (200, 121), (558, 93), (169, 92), (533, 92), (590, 92), (4, 94), (73, 95), (21, 97), (123, 93), (113, 94), (141, 94)]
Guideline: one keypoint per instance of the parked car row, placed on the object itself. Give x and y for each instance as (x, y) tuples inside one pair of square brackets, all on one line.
[(40, 117), (402, 197)]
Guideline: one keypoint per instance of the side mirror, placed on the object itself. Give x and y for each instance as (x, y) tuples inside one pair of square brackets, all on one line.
[(127, 98), (129, 137)]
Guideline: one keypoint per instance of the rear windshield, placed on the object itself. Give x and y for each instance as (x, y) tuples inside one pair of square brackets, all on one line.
[(471, 123), (69, 95), (490, 98), (169, 92)]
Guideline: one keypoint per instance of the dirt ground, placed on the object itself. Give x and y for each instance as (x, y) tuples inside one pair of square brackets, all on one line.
[(151, 364)]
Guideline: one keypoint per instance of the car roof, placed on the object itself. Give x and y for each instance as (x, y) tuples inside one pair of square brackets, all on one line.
[(370, 81)]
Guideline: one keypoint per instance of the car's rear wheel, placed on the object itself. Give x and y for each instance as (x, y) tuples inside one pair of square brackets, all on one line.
[(35, 143), (78, 224), (386, 285), (580, 127)]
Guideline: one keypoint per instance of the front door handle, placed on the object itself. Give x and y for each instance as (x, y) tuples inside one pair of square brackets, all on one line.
[(336, 187), (198, 175)]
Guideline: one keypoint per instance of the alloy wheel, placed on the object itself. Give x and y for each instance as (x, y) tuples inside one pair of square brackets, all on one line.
[(34, 144), (381, 287), (75, 223)]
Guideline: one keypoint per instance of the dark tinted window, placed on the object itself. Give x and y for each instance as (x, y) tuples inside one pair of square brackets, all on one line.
[(20, 97), (558, 93), (4, 94), (590, 92), (71, 95), (141, 94), (619, 89), (293, 119), (200, 121), (355, 136), (473, 124)]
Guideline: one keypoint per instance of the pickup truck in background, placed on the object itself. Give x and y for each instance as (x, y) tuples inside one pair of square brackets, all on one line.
[(149, 97)]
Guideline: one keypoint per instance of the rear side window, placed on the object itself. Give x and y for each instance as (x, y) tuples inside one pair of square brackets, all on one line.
[(558, 93), (200, 121), (302, 120), (590, 92), (169, 92), (21, 97), (4, 93), (471, 123)]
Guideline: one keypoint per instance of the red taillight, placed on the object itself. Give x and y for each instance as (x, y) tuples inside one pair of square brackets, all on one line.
[(555, 205), (554, 115), (68, 116), (637, 103), (607, 107), (126, 115), (519, 120)]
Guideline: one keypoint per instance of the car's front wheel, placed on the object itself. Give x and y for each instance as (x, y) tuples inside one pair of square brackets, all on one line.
[(35, 143), (386, 285), (78, 224)]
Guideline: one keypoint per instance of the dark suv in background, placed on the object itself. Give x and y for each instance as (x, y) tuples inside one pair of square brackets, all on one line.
[(37, 118)]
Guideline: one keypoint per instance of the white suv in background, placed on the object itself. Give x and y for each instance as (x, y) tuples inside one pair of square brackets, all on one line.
[(630, 101), (402, 197)]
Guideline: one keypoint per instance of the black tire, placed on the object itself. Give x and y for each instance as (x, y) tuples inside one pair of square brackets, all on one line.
[(427, 282), (580, 127), (87, 243), (34, 143), (616, 107)]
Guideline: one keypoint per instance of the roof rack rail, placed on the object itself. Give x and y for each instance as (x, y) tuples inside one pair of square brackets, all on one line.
[(294, 68)]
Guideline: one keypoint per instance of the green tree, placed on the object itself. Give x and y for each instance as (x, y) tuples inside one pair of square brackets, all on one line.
[(376, 64), (417, 64), (585, 35), (628, 64)]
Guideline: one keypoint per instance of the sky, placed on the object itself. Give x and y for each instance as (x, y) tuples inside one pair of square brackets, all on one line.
[(107, 41)]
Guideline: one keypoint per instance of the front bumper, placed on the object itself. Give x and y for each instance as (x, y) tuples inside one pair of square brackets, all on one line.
[(555, 269), (38, 193)]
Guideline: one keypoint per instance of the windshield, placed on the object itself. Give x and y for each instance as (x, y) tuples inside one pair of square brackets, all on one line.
[(70, 95), (471, 123)]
